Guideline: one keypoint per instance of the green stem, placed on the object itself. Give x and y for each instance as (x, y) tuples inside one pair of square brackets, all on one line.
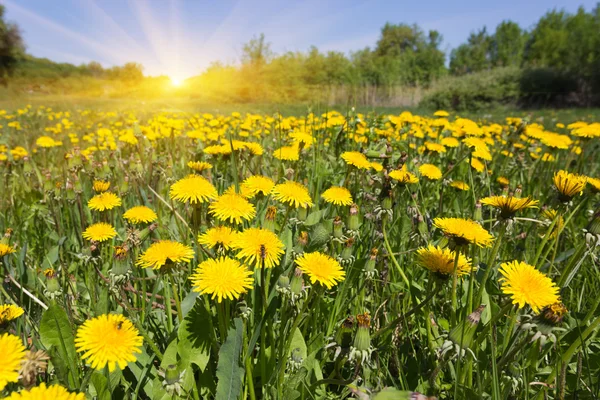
[(391, 254), (176, 296), (490, 263)]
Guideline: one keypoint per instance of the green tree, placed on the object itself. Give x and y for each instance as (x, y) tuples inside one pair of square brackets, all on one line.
[(11, 47), (472, 56), (257, 51), (507, 45)]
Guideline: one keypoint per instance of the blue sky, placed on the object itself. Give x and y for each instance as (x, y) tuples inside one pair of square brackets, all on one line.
[(182, 37)]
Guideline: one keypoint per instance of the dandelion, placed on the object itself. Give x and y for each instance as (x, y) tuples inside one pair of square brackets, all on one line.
[(259, 247), (164, 253), (527, 286), (101, 186), (509, 205), (199, 166), (357, 159), (403, 176), (8, 312), (441, 261), (430, 171), (104, 201), (594, 183), (140, 214), (43, 392), (294, 194), (287, 153), (568, 185), (108, 340), (5, 250), (257, 185), (222, 236), (340, 196), (99, 232), (13, 353), (321, 268), (233, 208), (464, 231), (222, 278), (503, 181), (193, 189), (460, 185)]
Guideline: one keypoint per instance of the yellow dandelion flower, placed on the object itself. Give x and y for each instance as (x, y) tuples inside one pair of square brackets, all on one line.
[(403, 176), (450, 142), (430, 171), (441, 261), (594, 183), (460, 185), (441, 113), (13, 352), (378, 167), (193, 189), (164, 253), (340, 196), (257, 184), (509, 205), (218, 236), (477, 165), (503, 181), (8, 312), (287, 153), (140, 214), (233, 208), (43, 392), (568, 185), (199, 166), (101, 186), (104, 201), (108, 340), (5, 250), (292, 193), (321, 268), (464, 231), (357, 159), (222, 278), (435, 147), (527, 285), (99, 232), (259, 247), (255, 148)]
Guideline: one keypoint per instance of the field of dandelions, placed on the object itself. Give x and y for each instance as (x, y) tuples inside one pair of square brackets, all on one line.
[(161, 255)]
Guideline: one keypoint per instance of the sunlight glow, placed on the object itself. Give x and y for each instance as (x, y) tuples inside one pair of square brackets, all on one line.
[(176, 81)]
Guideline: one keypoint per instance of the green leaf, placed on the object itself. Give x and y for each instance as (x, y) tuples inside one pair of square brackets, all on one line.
[(392, 394), (195, 338), (99, 381), (229, 371), (298, 346), (55, 331), (313, 218)]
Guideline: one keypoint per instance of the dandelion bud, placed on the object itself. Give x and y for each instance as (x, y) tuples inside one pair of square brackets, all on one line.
[(361, 350), (478, 215), (370, 269), (347, 255), (343, 337), (594, 225), (297, 282), (302, 213), (354, 218), (338, 225), (386, 204), (302, 239), (283, 284), (269, 221), (172, 379), (463, 333)]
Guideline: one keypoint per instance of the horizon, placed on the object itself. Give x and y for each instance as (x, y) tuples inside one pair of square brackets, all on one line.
[(193, 35)]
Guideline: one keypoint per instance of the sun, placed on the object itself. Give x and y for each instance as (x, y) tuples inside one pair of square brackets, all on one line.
[(176, 81)]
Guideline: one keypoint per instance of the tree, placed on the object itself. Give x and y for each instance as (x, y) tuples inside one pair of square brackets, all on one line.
[(11, 47), (257, 51), (507, 45), (473, 56)]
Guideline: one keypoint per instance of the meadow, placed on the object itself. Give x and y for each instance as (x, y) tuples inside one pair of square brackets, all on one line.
[(153, 251)]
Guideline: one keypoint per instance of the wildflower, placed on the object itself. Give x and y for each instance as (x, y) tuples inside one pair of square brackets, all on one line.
[(34, 364), (101, 186), (430, 171), (108, 340), (527, 285), (568, 185), (193, 189), (233, 208), (99, 232), (5, 250), (340, 196), (477, 165), (54, 392), (321, 268), (357, 159), (594, 183), (259, 247), (257, 184), (8, 312), (199, 166), (509, 205), (140, 214), (464, 231), (104, 201), (403, 176), (441, 113), (294, 194), (361, 349), (222, 236), (164, 253), (460, 185), (287, 153), (222, 278), (441, 261), (503, 181), (13, 353)]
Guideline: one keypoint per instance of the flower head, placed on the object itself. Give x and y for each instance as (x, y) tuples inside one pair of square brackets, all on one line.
[(509, 205), (527, 285), (140, 214), (257, 184), (568, 185), (287, 153), (222, 278), (5, 250), (99, 232), (233, 208), (441, 261), (13, 352), (321, 268), (431, 172), (43, 392), (460, 185), (358, 159), (199, 166), (104, 201), (293, 193), (193, 189), (403, 176), (340, 196), (101, 186), (110, 339), (464, 231), (164, 253), (218, 236), (259, 247), (8, 312)]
